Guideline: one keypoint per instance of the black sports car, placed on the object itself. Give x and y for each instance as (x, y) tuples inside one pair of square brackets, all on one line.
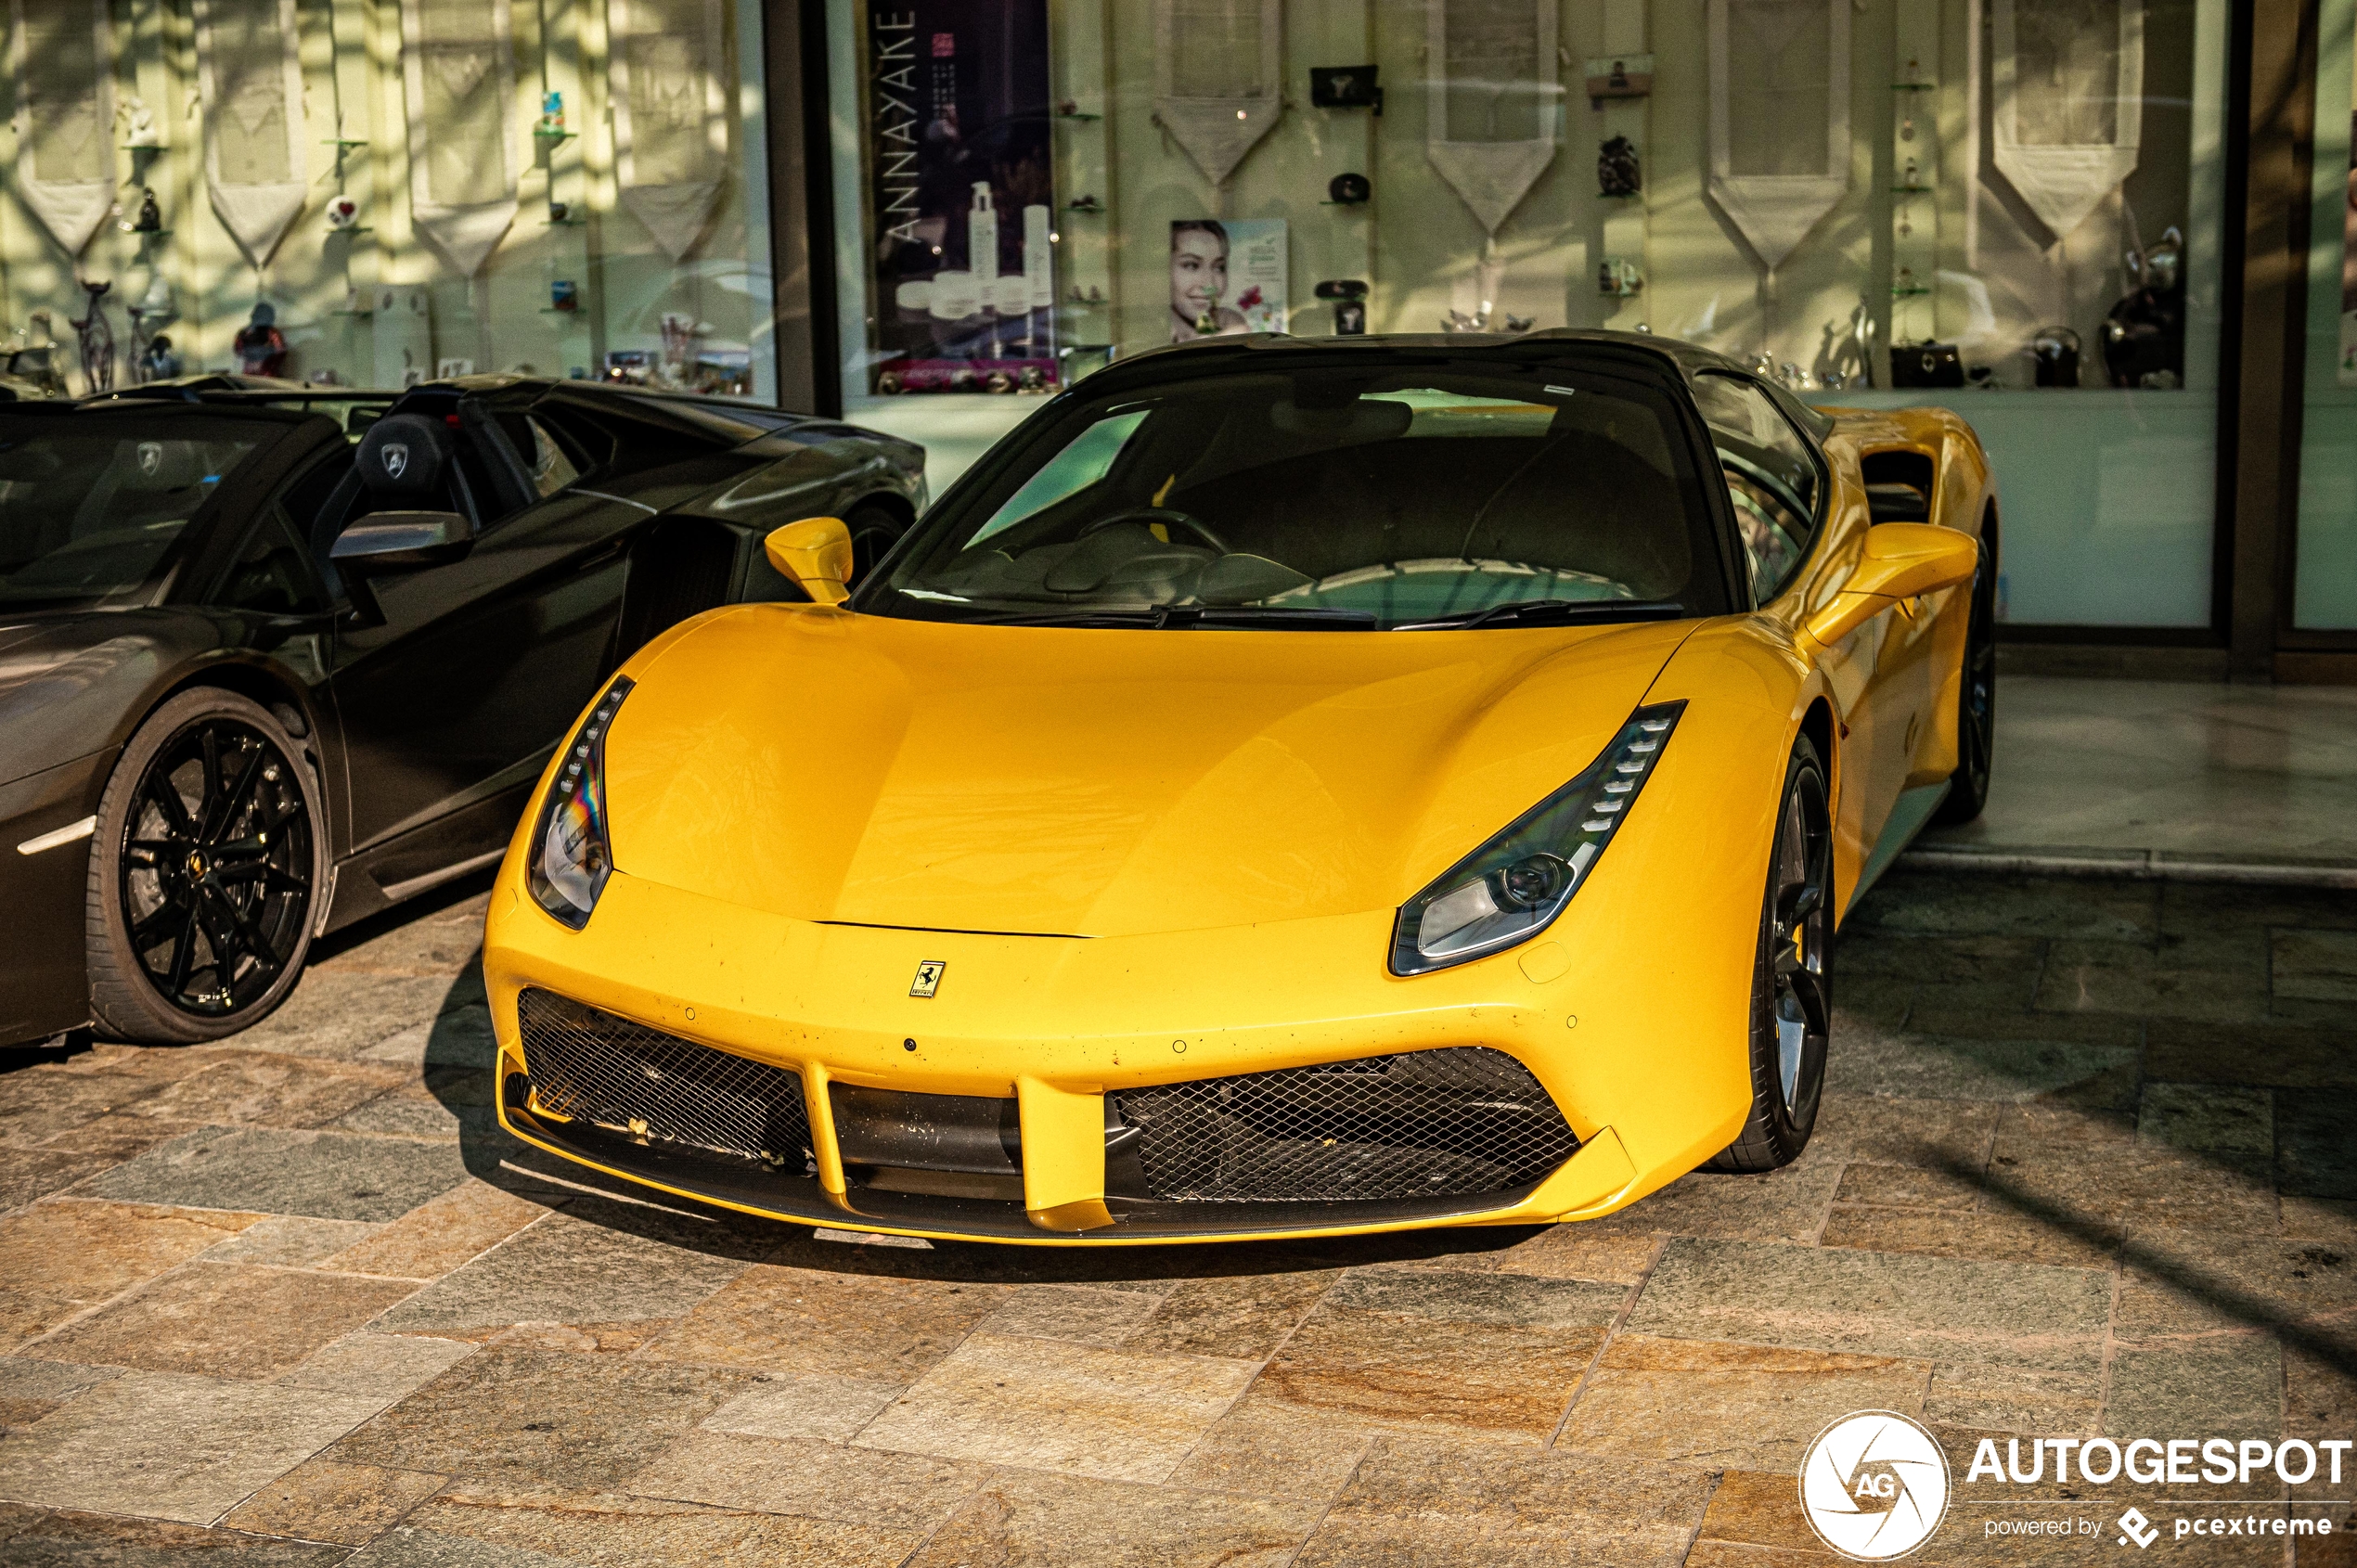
[(270, 662)]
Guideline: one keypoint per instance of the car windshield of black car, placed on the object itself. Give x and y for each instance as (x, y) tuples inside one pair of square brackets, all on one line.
[(1390, 495), (86, 513)]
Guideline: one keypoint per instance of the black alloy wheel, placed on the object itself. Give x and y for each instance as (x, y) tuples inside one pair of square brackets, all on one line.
[(1976, 705), (203, 872), (1792, 977), (873, 532)]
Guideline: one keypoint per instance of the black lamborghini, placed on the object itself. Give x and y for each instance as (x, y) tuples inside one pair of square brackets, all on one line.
[(271, 662)]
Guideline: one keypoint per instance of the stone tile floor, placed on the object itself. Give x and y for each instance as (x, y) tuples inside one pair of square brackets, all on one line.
[(2253, 773), (2085, 1166)]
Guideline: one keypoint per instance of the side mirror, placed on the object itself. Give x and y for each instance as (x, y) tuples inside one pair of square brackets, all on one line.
[(1901, 561), (816, 553), (390, 541)]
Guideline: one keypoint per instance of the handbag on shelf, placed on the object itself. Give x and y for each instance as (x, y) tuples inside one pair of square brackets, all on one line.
[(1926, 365)]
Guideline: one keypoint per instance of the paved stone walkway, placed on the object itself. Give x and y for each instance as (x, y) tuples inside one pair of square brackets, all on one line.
[(2085, 1165)]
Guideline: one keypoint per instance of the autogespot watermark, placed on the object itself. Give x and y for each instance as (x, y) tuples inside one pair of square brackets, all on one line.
[(1875, 1486)]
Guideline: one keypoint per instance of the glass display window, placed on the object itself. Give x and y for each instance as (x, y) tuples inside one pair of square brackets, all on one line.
[(2007, 207), (2324, 568), (371, 194)]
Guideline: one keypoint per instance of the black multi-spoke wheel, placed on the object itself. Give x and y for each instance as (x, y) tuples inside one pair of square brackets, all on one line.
[(1976, 705), (202, 872), (1792, 977)]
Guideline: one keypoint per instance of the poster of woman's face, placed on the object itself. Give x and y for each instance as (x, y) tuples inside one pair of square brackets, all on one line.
[(1226, 275)]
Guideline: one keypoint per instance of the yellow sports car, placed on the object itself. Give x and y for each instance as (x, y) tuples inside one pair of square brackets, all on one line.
[(1288, 786)]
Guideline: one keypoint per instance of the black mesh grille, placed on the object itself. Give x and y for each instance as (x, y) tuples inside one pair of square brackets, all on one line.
[(1452, 1123), (594, 1067)]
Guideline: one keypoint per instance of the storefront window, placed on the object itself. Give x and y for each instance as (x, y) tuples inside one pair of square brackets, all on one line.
[(2324, 585), (374, 192), (2010, 207)]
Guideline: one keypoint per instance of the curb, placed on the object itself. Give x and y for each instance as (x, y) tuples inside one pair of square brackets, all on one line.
[(2130, 865)]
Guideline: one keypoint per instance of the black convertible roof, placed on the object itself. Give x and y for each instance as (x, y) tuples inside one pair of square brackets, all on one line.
[(1686, 359)]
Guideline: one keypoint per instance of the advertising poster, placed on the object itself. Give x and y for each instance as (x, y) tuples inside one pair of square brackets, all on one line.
[(1226, 274), (959, 197)]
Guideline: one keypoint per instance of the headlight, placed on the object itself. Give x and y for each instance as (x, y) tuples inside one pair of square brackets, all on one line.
[(570, 855), (1513, 886)]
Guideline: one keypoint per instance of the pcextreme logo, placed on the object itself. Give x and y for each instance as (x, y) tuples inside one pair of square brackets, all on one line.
[(1875, 1485)]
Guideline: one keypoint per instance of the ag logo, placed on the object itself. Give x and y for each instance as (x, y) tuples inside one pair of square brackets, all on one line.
[(396, 459), (928, 977), (150, 459), (1875, 1485)]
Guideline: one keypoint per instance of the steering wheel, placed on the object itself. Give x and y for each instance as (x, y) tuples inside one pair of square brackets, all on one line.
[(1168, 517)]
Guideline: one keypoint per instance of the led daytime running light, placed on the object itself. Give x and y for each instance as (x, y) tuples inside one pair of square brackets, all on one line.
[(570, 855), (1513, 887)]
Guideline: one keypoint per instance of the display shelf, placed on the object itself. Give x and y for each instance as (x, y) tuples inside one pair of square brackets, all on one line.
[(551, 310), (1082, 116), (542, 132), (564, 223), (1913, 86), (345, 141), (1910, 293), (1911, 190), (1096, 207), (356, 228)]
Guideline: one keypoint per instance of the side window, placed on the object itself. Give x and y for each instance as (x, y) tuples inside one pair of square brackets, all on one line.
[(1086, 460), (551, 470), (1771, 477), (273, 574)]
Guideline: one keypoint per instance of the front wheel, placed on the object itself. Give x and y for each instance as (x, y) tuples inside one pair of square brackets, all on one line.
[(1792, 977), (203, 872)]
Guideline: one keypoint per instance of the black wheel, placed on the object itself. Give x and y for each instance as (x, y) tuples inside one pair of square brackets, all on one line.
[(874, 532), (1792, 1000), (203, 872), (1977, 707)]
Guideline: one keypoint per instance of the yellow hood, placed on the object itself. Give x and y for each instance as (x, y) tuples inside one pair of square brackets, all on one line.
[(1055, 780)]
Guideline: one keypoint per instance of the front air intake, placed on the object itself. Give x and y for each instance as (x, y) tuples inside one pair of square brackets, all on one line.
[(588, 1065), (1459, 1122)]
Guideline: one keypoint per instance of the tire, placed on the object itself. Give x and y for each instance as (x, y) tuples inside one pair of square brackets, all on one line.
[(874, 531), (1977, 704), (1792, 977), (198, 923)]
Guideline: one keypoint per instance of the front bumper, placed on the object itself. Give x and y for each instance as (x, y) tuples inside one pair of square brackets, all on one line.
[(1050, 1025)]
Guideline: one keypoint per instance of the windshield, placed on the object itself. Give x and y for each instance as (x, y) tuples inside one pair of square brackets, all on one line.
[(87, 513), (1388, 494)]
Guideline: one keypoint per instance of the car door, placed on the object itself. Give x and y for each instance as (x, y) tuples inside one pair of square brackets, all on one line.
[(1777, 483), (455, 690)]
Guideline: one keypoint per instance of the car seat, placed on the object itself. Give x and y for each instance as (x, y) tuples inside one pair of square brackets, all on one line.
[(407, 463)]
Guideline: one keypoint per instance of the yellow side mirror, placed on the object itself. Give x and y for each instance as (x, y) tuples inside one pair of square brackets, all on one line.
[(816, 553), (1902, 559)]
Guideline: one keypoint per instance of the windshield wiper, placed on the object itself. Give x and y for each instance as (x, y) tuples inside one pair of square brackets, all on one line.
[(1553, 612), (1181, 616), (1305, 617)]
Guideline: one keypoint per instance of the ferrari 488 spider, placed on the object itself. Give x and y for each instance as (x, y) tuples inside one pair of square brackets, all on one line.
[(1287, 786)]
